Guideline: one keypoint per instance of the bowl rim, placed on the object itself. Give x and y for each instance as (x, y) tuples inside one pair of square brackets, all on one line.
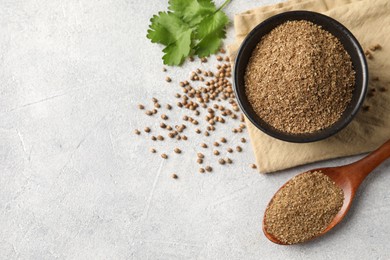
[(298, 138)]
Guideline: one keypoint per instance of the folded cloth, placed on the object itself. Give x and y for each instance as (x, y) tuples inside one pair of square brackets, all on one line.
[(369, 21)]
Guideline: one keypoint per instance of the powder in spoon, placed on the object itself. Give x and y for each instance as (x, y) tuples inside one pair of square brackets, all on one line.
[(303, 208), (299, 78)]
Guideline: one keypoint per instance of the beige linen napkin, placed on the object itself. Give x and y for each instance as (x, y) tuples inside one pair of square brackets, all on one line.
[(369, 21)]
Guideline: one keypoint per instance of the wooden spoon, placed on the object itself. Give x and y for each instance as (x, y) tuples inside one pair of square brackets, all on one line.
[(348, 178)]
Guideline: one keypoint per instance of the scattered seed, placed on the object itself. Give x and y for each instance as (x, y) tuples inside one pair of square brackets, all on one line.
[(203, 145), (221, 161), (168, 106), (177, 150), (238, 149), (375, 47), (184, 137), (164, 156), (200, 155), (197, 130), (164, 69), (148, 112), (137, 132), (169, 127), (368, 54), (230, 150), (155, 100), (209, 168), (168, 79), (140, 106), (229, 161), (243, 140), (366, 108), (164, 117), (201, 170), (216, 152), (216, 144), (162, 125), (199, 160), (160, 138), (153, 138), (152, 150), (157, 105), (147, 130), (174, 176), (223, 140), (206, 133), (253, 166), (154, 111)]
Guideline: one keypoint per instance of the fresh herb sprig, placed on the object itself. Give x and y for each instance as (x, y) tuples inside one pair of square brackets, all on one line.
[(190, 27)]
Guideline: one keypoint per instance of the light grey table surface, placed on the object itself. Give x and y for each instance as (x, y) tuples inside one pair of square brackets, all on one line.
[(75, 183)]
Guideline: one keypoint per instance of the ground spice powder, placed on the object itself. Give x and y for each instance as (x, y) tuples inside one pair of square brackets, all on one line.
[(299, 78), (303, 208)]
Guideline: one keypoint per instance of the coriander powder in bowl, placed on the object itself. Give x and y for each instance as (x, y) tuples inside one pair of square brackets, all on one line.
[(300, 76)]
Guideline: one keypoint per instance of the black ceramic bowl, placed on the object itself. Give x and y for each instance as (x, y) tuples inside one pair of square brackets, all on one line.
[(350, 44)]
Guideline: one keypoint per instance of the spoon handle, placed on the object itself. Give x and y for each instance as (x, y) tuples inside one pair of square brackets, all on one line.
[(366, 165)]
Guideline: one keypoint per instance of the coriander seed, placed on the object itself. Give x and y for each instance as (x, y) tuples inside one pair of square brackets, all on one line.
[(164, 156), (177, 150), (221, 161)]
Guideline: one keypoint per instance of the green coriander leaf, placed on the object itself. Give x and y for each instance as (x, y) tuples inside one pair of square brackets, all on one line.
[(176, 52), (191, 26), (212, 24), (171, 31), (192, 11), (164, 28), (210, 32), (208, 45)]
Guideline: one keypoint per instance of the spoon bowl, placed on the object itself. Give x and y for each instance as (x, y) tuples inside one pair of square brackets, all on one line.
[(348, 178)]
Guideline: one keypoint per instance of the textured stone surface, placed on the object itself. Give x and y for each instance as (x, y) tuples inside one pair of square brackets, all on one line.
[(76, 183)]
